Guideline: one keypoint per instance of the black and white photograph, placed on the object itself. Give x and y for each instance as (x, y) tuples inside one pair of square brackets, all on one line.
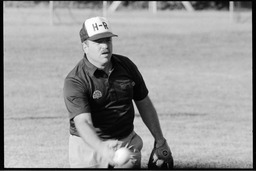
[(151, 85)]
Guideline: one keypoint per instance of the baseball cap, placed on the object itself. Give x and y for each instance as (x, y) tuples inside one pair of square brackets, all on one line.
[(95, 28)]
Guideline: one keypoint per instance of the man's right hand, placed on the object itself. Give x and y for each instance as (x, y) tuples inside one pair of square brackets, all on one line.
[(108, 149), (86, 130)]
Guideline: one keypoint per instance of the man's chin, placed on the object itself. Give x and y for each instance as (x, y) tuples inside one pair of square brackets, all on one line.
[(106, 55), (105, 58)]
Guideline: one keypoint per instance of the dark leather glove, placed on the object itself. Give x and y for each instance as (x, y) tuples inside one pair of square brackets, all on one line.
[(161, 157)]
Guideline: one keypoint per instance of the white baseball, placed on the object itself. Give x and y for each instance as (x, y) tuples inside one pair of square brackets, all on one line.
[(122, 156)]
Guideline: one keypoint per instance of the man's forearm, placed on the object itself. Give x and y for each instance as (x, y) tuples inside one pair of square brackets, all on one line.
[(150, 118), (88, 134)]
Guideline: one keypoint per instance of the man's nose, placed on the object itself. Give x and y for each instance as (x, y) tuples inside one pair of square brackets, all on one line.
[(104, 45)]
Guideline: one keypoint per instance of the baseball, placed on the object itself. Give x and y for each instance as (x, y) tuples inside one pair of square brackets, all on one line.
[(122, 156)]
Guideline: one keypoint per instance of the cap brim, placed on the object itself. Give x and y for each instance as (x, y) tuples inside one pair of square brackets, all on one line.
[(102, 35)]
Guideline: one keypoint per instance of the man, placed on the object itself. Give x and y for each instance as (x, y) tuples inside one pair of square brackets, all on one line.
[(98, 94)]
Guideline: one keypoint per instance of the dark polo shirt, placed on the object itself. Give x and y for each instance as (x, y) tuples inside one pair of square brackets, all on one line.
[(108, 98)]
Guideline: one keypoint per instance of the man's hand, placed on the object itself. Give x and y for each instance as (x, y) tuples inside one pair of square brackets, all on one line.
[(161, 157), (107, 150)]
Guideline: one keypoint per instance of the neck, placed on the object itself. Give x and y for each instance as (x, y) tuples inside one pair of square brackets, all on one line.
[(107, 68)]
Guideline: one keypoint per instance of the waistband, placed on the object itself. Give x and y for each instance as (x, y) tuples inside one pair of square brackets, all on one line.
[(120, 139), (129, 136)]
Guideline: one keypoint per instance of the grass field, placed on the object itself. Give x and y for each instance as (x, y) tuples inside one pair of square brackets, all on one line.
[(197, 66)]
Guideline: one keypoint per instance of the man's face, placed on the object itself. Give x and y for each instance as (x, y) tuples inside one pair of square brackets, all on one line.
[(99, 51)]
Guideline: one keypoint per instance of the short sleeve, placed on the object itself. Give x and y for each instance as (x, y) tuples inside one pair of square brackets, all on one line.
[(140, 88), (75, 97)]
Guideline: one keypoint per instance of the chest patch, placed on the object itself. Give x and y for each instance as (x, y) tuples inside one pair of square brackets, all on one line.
[(97, 94)]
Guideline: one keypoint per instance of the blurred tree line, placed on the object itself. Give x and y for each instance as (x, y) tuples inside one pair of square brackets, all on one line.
[(161, 5)]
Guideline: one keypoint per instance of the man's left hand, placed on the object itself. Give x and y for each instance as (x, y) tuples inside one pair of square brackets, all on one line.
[(161, 157)]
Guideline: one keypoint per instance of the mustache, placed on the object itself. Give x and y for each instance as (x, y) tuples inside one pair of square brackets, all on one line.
[(105, 51)]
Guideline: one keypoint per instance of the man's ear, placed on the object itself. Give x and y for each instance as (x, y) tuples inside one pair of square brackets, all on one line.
[(85, 46)]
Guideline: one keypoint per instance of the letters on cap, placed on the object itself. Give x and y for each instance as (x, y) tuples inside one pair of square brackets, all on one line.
[(96, 25), (96, 28)]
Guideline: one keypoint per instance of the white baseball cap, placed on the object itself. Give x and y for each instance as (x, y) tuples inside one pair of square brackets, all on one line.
[(95, 28)]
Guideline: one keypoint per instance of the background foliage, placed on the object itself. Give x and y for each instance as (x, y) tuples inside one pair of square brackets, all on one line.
[(162, 5)]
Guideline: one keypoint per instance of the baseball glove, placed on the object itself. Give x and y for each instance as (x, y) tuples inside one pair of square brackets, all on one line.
[(161, 157)]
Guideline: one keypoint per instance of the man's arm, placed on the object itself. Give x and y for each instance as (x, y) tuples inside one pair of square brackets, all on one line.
[(150, 118), (161, 156), (86, 131), (84, 126)]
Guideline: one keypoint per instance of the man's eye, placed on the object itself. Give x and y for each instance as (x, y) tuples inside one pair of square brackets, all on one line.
[(103, 40)]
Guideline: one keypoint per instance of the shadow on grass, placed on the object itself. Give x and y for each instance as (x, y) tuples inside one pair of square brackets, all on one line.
[(206, 166), (34, 118), (212, 165), (164, 115)]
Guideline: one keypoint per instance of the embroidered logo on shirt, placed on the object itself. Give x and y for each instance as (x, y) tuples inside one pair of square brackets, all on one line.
[(97, 94), (133, 83), (127, 85)]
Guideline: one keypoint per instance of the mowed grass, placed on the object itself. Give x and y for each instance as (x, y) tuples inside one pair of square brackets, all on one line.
[(197, 66)]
